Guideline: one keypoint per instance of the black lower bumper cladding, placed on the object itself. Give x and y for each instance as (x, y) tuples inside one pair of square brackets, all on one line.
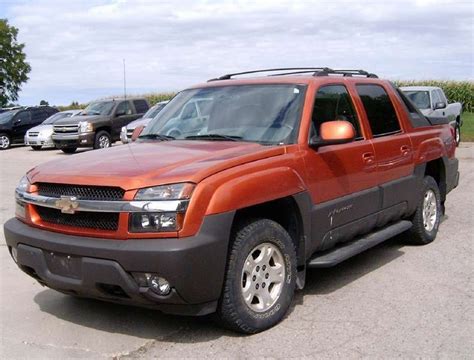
[(102, 268)]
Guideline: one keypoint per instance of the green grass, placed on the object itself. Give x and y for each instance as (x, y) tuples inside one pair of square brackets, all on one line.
[(467, 129)]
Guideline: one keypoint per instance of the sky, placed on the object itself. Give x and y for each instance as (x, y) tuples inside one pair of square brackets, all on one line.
[(76, 48)]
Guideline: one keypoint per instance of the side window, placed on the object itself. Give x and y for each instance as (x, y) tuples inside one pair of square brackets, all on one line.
[(22, 117), (141, 106), (189, 111), (333, 102), (435, 97), (379, 109), (442, 97), (123, 108), (38, 115), (417, 119)]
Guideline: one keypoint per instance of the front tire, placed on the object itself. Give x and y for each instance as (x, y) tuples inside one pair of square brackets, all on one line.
[(260, 278), (102, 140), (427, 215), (5, 141)]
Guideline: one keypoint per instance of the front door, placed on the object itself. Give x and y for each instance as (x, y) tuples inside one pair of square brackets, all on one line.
[(341, 178)]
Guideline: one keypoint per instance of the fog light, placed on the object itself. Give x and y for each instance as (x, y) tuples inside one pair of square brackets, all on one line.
[(14, 253), (159, 285), (156, 283)]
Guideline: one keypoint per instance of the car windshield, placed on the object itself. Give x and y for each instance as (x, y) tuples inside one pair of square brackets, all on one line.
[(420, 98), (153, 111), (267, 114), (99, 108), (6, 116), (53, 118)]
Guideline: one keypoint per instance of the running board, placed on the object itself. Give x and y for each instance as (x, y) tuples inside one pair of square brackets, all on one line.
[(341, 253)]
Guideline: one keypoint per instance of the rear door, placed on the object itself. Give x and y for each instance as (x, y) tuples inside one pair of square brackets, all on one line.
[(21, 123), (123, 115), (341, 178), (393, 149)]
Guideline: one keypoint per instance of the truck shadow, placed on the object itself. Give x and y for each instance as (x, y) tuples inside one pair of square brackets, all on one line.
[(151, 324)]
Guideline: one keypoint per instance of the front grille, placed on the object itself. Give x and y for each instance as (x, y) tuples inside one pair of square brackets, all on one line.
[(84, 192), (83, 219), (33, 134), (129, 133), (66, 129)]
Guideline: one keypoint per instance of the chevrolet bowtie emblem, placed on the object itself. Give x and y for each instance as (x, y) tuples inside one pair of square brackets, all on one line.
[(67, 204)]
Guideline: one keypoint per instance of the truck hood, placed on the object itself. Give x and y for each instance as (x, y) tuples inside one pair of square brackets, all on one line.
[(74, 120), (153, 163)]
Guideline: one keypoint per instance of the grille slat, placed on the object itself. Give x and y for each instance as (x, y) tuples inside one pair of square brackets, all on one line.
[(83, 192), (90, 220)]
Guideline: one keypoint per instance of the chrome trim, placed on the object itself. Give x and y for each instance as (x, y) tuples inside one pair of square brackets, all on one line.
[(103, 206)]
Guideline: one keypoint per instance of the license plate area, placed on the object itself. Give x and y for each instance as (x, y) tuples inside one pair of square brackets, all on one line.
[(63, 264)]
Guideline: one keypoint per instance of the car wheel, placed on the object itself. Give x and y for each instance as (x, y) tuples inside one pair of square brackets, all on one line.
[(102, 140), (36, 147), (457, 134), (5, 141), (427, 215), (260, 277), (69, 150)]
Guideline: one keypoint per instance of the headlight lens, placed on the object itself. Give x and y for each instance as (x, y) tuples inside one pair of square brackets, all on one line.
[(85, 126), (166, 192), (23, 184), (160, 221)]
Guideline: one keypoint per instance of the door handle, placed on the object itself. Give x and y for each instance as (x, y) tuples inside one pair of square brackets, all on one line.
[(368, 158), (405, 150)]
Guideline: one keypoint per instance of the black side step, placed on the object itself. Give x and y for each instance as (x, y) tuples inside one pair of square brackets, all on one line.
[(341, 253)]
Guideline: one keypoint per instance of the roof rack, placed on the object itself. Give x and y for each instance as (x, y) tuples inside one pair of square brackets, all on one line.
[(317, 71)]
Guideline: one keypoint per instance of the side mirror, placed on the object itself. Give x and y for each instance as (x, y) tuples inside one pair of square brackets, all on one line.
[(440, 105), (333, 132), (136, 133)]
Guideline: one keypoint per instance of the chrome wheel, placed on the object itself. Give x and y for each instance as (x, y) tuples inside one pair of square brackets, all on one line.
[(104, 142), (4, 142), (263, 277), (430, 210)]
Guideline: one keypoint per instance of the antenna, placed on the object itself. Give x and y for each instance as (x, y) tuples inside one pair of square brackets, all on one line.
[(124, 81)]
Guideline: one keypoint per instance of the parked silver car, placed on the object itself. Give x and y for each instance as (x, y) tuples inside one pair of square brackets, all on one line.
[(127, 131), (41, 136)]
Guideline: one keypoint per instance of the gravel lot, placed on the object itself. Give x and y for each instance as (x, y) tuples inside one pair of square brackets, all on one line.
[(391, 301)]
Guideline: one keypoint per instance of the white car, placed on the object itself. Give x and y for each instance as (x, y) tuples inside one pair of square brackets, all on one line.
[(127, 131), (433, 103), (41, 136)]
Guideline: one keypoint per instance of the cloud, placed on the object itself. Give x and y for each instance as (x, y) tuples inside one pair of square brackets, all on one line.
[(77, 47)]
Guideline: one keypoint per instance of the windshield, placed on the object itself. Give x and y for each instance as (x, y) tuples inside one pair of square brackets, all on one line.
[(420, 98), (268, 114), (6, 116), (153, 111), (99, 108), (52, 119)]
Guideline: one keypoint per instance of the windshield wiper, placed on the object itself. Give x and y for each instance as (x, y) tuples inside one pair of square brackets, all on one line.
[(156, 137), (213, 137)]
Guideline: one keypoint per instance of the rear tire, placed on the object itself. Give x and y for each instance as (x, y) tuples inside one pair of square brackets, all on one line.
[(260, 277), (457, 134), (69, 150), (5, 141), (36, 147), (102, 140), (427, 215)]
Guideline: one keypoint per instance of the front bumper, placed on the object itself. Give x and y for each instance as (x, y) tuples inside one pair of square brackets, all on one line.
[(45, 141), (101, 268), (62, 141)]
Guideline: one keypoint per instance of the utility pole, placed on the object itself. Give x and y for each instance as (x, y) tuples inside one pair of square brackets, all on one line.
[(124, 81)]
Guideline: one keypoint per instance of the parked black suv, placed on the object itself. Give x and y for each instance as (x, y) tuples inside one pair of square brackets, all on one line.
[(98, 125), (15, 123)]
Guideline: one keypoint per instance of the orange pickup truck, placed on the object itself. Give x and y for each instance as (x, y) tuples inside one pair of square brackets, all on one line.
[(223, 210)]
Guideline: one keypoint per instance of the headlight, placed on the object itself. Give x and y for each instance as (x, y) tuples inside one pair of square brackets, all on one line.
[(85, 126), (166, 192), (23, 184), (161, 221)]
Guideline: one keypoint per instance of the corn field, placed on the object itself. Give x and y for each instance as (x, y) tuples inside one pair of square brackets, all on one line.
[(456, 91)]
